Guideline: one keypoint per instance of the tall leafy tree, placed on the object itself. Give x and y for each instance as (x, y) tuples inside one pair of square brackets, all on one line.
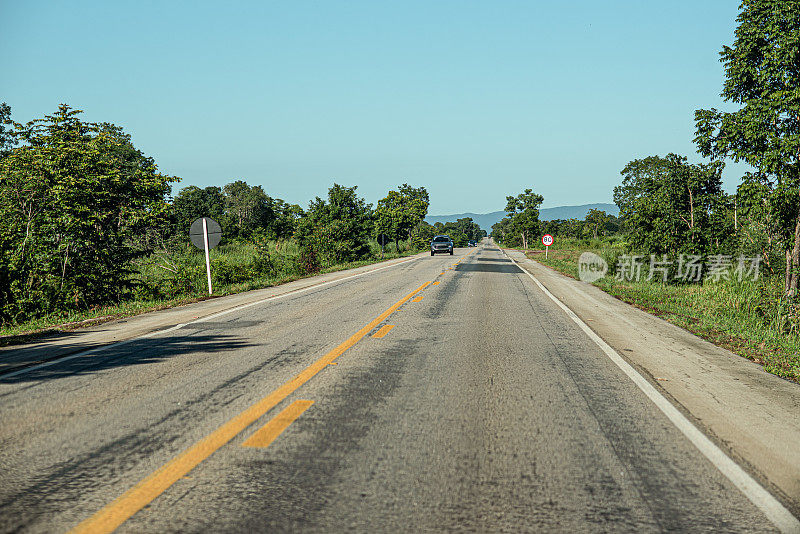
[(401, 212), (286, 217), (387, 217), (596, 222), (420, 200), (192, 203), (70, 197), (248, 210), (337, 230), (762, 76), (523, 214), (8, 138), (671, 206)]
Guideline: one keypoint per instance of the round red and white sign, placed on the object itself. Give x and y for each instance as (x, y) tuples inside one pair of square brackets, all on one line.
[(547, 240)]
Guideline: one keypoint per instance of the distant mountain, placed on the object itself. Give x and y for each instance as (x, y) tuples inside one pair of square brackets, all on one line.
[(484, 220), (487, 220), (576, 212)]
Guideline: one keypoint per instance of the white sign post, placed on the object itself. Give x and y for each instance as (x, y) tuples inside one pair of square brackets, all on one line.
[(547, 240), (208, 258), (205, 234)]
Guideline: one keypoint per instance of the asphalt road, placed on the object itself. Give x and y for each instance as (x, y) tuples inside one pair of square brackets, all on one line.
[(484, 408)]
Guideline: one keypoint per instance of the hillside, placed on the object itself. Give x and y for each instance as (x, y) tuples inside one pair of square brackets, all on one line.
[(487, 220)]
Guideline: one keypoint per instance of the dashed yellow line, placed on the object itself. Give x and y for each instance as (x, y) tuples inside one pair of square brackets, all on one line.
[(383, 331), (417, 299), (264, 436), (136, 498)]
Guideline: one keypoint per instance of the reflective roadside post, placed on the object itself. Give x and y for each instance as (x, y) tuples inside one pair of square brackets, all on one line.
[(205, 234), (547, 240)]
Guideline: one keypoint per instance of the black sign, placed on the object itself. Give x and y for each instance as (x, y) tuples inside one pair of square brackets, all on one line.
[(214, 233), (383, 240)]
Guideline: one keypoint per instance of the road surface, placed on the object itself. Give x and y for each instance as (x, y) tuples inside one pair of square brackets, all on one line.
[(446, 393)]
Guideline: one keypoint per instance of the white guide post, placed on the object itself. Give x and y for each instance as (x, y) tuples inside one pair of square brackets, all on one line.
[(208, 258)]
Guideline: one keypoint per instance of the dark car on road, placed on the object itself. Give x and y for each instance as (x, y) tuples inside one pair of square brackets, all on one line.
[(441, 244)]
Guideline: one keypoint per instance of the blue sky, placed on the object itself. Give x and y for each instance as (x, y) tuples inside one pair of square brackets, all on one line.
[(474, 100)]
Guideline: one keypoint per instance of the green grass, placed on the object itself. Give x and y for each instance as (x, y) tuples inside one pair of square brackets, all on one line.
[(179, 278), (742, 316)]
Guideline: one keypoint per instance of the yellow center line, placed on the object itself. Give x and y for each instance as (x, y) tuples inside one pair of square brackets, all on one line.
[(268, 433), (436, 283), (136, 498), (417, 299), (383, 331)]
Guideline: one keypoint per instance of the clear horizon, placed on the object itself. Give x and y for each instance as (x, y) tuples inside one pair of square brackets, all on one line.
[(474, 101)]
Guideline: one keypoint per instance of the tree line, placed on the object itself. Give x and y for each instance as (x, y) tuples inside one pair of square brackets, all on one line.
[(670, 206), (80, 205), (522, 228)]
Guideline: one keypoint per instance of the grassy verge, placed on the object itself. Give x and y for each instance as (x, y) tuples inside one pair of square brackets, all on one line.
[(741, 316), (165, 281)]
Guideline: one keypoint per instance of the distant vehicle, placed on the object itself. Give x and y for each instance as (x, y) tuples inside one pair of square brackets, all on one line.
[(472, 243), (441, 243)]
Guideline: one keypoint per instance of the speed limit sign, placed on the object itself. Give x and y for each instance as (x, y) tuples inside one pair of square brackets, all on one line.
[(547, 240)]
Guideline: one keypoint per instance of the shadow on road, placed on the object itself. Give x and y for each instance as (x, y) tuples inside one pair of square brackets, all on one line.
[(481, 267), (44, 335), (136, 352)]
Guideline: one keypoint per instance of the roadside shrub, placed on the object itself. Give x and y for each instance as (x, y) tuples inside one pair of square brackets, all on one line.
[(227, 272), (307, 262), (612, 257), (788, 316), (263, 263), (183, 281)]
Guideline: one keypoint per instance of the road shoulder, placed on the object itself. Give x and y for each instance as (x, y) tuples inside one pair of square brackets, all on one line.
[(751, 414), (15, 358)]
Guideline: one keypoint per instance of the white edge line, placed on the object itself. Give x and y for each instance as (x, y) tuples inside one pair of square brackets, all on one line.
[(200, 320), (760, 497)]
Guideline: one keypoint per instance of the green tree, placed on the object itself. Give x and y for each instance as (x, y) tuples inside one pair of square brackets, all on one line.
[(759, 231), (501, 230), (418, 209), (338, 230), (762, 75), (461, 231), (401, 212), (425, 232), (241, 210), (596, 222), (523, 212), (286, 217), (390, 217), (566, 227), (192, 203), (671, 206), (8, 138), (248, 210), (70, 198)]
